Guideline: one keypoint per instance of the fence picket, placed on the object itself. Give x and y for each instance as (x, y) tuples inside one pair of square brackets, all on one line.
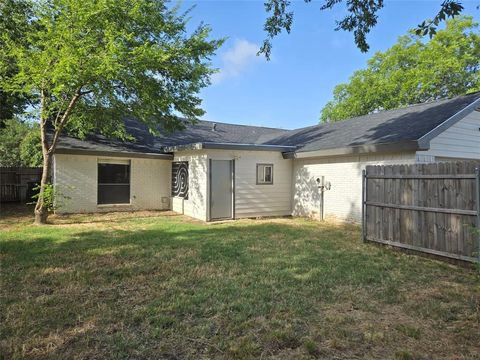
[(425, 207)]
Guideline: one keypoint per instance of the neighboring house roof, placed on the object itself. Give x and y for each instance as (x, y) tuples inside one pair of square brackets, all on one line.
[(409, 128)]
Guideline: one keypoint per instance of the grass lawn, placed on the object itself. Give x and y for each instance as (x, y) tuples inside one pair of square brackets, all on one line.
[(153, 285)]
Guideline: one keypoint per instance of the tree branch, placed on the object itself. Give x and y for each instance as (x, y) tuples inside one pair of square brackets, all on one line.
[(58, 114), (63, 120)]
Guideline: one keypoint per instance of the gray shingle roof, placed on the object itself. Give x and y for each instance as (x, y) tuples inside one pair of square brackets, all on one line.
[(200, 132), (394, 126), (203, 131)]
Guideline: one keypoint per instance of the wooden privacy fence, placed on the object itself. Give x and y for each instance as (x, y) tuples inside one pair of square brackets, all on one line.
[(9, 193), (433, 208), (17, 183)]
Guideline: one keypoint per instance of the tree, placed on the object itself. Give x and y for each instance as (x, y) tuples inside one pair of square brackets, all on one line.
[(31, 148), (11, 135), (90, 63), (412, 72), (361, 18), (13, 25), (20, 144)]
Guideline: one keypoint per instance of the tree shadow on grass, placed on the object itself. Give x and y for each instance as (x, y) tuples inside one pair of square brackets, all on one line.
[(308, 249), (129, 289)]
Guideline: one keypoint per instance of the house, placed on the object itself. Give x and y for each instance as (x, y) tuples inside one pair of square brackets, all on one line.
[(213, 171)]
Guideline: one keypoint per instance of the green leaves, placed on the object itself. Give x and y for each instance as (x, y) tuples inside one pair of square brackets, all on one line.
[(31, 148), (14, 15), (120, 58), (281, 19), (361, 17), (412, 71), (88, 64), (20, 144), (48, 197), (449, 8)]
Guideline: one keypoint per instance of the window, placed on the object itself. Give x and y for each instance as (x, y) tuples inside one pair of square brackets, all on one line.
[(180, 179), (264, 174), (113, 182)]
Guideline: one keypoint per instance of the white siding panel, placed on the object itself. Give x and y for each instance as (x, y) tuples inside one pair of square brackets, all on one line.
[(76, 184), (252, 200), (343, 200), (460, 141)]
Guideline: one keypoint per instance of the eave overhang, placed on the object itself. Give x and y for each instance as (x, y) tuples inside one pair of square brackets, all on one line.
[(357, 149), (119, 153)]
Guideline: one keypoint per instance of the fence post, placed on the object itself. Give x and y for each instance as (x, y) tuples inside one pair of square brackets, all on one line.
[(364, 207), (477, 186)]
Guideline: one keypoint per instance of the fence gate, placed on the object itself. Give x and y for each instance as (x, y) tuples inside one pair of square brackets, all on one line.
[(433, 208)]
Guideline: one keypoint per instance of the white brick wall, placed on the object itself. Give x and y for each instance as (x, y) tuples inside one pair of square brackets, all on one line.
[(343, 200), (76, 179), (196, 204), (295, 190)]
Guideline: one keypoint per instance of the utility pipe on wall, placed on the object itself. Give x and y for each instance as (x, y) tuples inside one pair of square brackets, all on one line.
[(322, 186)]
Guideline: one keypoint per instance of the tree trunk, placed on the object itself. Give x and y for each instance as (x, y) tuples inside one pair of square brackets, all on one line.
[(41, 211)]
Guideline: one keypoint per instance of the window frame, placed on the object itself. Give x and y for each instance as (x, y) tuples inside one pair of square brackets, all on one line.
[(264, 166), (115, 162)]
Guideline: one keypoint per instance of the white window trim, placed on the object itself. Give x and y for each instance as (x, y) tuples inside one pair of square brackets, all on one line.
[(114, 161), (263, 182)]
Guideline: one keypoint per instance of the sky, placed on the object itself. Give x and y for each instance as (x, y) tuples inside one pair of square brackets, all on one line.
[(290, 90)]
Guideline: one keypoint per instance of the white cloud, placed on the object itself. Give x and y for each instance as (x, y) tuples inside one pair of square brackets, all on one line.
[(236, 60)]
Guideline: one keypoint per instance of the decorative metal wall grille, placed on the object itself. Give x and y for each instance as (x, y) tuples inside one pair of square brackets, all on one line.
[(180, 179)]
